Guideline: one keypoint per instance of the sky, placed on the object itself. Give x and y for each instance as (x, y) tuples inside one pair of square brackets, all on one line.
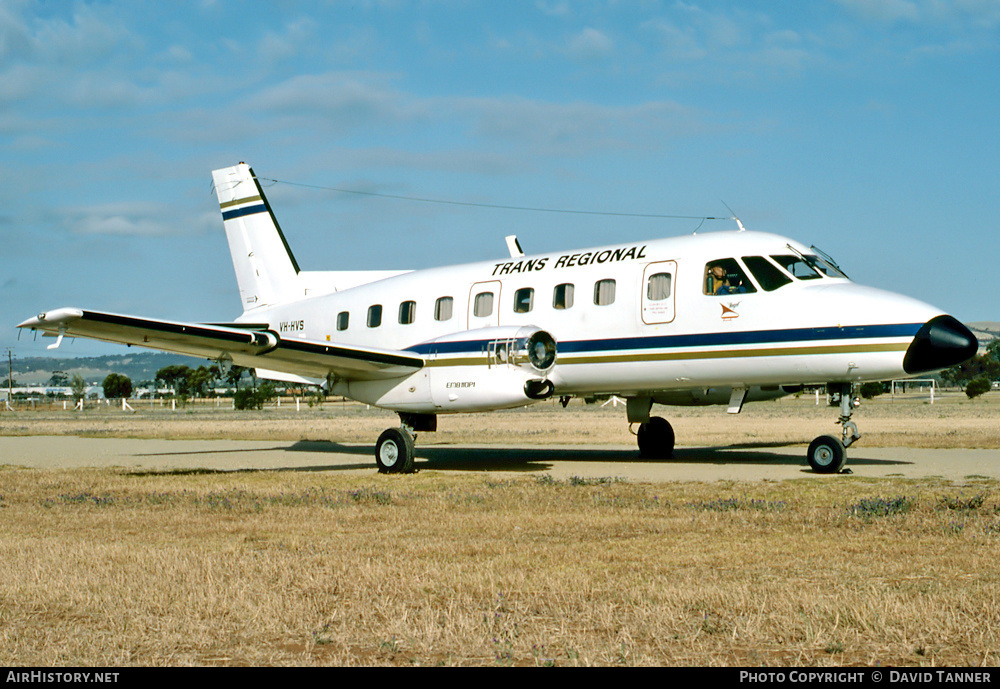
[(866, 127)]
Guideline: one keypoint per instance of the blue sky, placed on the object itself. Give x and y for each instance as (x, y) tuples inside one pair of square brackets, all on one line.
[(866, 127)]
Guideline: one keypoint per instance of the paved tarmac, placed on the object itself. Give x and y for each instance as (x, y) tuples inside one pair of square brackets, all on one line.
[(739, 463)]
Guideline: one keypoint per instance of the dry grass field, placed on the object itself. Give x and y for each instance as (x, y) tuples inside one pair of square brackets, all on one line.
[(118, 568)]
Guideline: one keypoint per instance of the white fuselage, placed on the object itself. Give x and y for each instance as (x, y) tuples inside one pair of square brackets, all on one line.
[(640, 335)]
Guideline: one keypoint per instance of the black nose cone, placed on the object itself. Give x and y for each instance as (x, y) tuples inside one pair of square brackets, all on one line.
[(941, 342)]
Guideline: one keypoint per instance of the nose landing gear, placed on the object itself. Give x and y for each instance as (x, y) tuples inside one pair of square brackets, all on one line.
[(828, 454)]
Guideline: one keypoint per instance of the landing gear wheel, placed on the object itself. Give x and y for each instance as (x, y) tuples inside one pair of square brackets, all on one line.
[(827, 455), (394, 452), (656, 439)]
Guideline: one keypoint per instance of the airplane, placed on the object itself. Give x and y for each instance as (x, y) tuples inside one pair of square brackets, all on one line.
[(715, 318)]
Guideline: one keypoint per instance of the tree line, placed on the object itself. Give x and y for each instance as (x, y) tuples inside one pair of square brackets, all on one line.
[(188, 382), (978, 373)]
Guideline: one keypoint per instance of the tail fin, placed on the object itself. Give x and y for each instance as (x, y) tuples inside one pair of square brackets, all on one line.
[(266, 270)]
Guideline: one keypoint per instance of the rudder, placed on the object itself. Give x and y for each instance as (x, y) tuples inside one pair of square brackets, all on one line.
[(266, 269)]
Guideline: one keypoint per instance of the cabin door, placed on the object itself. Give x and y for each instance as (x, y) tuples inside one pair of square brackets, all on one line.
[(484, 304), (658, 281)]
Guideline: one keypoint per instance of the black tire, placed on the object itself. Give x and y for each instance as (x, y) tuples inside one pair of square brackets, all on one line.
[(656, 439), (394, 452), (827, 455)]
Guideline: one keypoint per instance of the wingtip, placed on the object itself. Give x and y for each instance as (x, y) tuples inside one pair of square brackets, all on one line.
[(54, 316)]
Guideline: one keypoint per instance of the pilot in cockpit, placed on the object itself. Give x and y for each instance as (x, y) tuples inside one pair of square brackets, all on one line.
[(717, 281)]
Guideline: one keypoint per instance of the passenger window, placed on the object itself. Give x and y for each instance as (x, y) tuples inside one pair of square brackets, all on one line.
[(562, 297), (375, 316), (725, 276), (407, 312), (443, 308), (797, 266), (483, 305), (768, 276), (343, 318), (604, 292), (658, 287), (523, 300)]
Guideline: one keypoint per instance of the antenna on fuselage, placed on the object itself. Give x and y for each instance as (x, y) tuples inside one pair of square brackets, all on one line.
[(739, 222)]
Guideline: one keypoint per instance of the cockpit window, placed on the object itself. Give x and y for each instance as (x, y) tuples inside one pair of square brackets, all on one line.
[(724, 276), (825, 264), (800, 267), (766, 273)]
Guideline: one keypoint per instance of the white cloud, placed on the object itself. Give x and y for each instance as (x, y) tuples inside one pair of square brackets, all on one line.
[(178, 53), (94, 32), (554, 8), (296, 37), (957, 14), (676, 43), (883, 10), (348, 99), (132, 218), (574, 129), (590, 43)]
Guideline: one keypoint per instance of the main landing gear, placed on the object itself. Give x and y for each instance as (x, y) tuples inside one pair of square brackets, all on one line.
[(655, 435), (656, 439), (828, 454), (395, 449)]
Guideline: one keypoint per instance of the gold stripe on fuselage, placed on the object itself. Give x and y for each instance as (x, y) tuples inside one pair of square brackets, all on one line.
[(566, 359)]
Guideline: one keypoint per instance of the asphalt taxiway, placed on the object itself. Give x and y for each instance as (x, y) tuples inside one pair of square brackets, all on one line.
[(749, 462)]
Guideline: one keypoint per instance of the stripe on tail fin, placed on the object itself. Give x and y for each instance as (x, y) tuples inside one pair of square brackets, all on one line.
[(266, 270)]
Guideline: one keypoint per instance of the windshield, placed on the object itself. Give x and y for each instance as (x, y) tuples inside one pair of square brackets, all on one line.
[(825, 264), (800, 267)]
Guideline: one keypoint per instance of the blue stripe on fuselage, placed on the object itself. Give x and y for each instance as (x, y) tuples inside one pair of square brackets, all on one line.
[(751, 337), (246, 210)]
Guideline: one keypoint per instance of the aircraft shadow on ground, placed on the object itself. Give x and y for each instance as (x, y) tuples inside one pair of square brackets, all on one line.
[(525, 459), (539, 459)]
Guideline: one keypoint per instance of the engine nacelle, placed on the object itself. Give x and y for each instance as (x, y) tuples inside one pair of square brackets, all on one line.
[(526, 345), (474, 370)]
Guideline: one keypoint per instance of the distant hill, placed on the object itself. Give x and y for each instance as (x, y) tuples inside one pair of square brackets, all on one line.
[(94, 369), (985, 332)]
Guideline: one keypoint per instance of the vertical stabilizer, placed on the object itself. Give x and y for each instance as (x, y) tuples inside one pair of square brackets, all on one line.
[(266, 270)]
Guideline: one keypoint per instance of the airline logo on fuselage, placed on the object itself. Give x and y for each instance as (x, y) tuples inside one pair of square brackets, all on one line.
[(571, 260)]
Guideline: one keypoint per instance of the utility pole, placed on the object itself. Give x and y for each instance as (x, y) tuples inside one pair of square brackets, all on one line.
[(10, 377)]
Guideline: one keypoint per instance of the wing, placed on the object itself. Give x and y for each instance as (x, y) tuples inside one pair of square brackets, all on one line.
[(252, 346)]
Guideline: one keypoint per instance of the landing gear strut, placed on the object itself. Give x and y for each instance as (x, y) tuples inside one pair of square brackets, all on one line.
[(828, 454)]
